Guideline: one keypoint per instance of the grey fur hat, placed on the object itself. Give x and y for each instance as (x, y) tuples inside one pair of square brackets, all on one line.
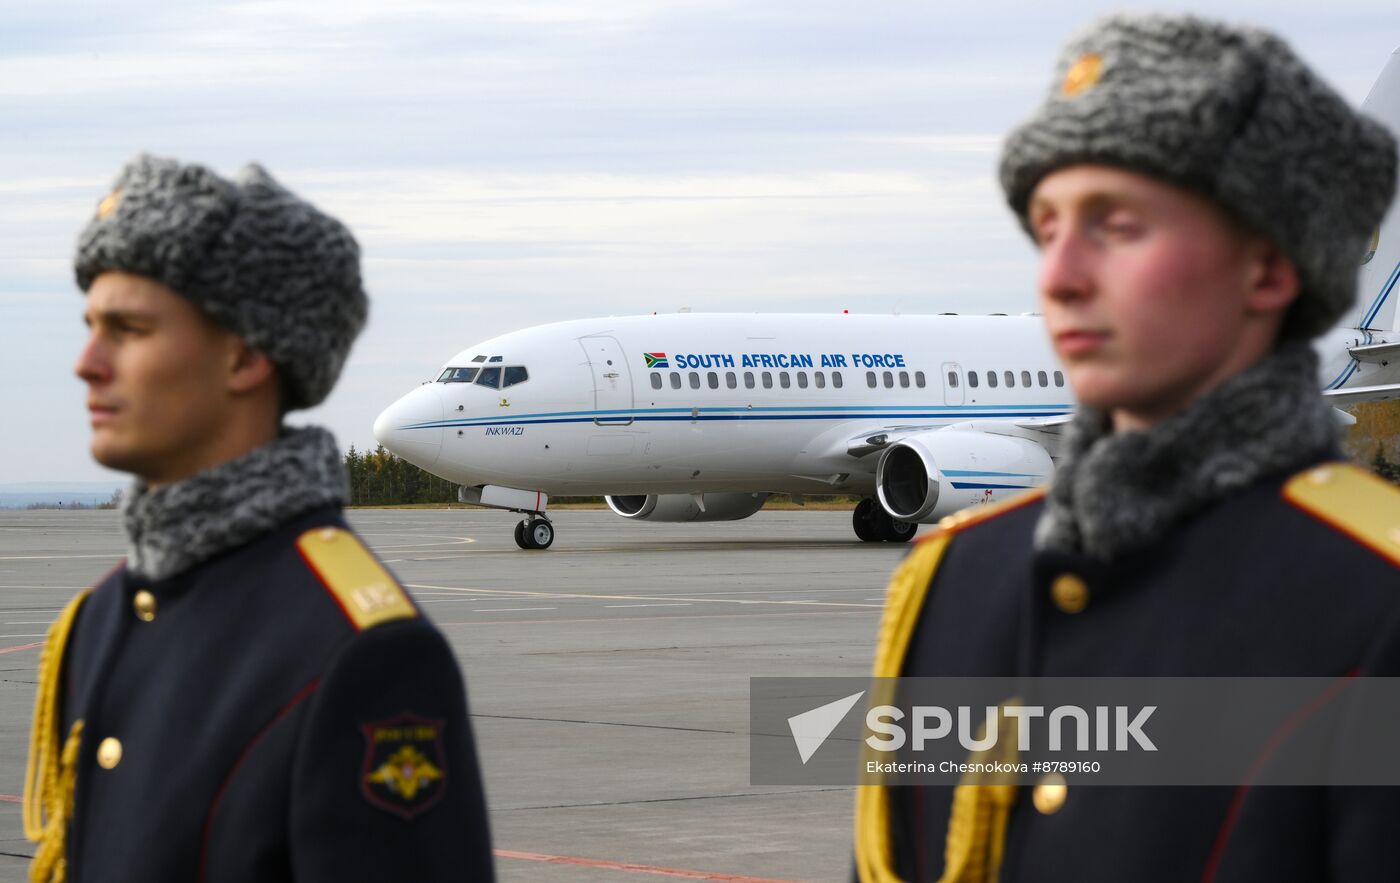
[(1232, 114), (249, 253)]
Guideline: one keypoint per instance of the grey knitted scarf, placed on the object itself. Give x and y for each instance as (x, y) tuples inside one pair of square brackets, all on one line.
[(1114, 492), (178, 526)]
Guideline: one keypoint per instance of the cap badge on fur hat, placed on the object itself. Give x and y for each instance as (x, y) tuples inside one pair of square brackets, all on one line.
[(1083, 74), (109, 203), (254, 257)]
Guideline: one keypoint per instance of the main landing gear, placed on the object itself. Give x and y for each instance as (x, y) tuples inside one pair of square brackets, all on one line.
[(874, 525), (536, 532)]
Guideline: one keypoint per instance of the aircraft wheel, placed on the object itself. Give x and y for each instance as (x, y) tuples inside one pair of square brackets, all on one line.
[(890, 529), (539, 533), (900, 531), (863, 520), (520, 538)]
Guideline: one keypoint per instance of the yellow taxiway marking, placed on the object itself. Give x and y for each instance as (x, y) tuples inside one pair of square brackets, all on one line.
[(544, 595)]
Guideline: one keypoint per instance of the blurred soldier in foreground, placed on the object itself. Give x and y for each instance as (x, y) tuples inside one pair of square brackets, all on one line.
[(1200, 201), (250, 695)]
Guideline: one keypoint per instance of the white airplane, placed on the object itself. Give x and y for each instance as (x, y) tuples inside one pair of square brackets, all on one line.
[(701, 417)]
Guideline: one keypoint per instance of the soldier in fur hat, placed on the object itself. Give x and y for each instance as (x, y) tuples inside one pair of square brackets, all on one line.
[(1200, 201), (250, 695)]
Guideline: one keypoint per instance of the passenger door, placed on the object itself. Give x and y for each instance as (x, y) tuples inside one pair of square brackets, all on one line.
[(612, 381)]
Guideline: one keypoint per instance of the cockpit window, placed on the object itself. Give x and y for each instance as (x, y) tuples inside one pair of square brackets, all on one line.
[(494, 359), (458, 375), (513, 375), (478, 358), (490, 377)]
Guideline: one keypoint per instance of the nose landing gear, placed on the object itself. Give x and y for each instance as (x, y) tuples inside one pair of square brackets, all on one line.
[(874, 525), (536, 532)]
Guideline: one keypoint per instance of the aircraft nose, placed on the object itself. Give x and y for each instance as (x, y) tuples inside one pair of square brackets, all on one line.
[(412, 427)]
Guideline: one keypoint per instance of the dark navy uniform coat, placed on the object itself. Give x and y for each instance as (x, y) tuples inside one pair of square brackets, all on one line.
[(243, 722), (1255, 586)]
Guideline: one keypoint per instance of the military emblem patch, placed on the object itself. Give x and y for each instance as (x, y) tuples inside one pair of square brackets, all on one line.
[(405, 769)]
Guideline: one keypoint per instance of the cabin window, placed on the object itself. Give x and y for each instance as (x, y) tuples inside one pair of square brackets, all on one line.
[(748, 380), (1010, 378), (992, 379), (655, 380), (952, 379), (919, 379), (694, 380), (784, 380), (889, 379), (675, 380), (458, 375), (517, 374), (820, 379), (767, 379), (1059, 379), (802, 379), (731, 380), (1025, 378), (972, 379), (490, 377), (836, 379), (713, 379), (1044, 381), (904, 380), (870, 379)]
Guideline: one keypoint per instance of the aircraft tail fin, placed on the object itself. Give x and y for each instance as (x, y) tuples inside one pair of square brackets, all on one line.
[(1378, 283)]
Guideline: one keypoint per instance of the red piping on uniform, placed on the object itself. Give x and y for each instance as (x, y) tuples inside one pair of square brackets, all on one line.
[(1387, 554), (629, 866), (329, 590), (1286, 729), (247, 749)]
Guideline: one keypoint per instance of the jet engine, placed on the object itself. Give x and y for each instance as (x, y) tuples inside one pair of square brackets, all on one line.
[(687, 507), (931, 475)]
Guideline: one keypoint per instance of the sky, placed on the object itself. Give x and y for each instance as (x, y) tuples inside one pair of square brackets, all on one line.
[(505, 164)]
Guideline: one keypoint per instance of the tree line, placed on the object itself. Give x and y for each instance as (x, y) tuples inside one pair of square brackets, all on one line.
[(378, 478)]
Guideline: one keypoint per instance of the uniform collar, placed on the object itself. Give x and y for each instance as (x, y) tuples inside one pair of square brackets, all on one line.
[(1117, 492), (173, 528)]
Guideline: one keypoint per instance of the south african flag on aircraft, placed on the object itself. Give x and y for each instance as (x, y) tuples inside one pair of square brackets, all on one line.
[(656, 360)]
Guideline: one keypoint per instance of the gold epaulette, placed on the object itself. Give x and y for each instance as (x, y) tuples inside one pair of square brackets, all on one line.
[(965, 518), (1353, 500), (979, 811), (354, 577)]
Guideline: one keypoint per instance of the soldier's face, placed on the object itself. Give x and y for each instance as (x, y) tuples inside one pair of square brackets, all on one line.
[(1151, 296), (156, 371)]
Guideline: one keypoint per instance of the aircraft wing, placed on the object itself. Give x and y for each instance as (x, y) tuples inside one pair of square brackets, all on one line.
[(1044, 430), (1355, 395)]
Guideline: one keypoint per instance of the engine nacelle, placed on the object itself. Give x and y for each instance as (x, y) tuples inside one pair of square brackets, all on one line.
[(926, 477), (685, 507)]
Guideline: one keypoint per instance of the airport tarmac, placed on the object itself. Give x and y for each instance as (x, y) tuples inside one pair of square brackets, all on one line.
[(607, 676)]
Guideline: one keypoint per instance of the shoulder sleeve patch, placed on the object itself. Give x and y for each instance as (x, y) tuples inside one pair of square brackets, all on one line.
[(1352, 500), (361, 586), (965, 518)]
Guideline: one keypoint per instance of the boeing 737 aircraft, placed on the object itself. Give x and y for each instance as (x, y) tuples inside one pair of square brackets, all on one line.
[(700, 417)]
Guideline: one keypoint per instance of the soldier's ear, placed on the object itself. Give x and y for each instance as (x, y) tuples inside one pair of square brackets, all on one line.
[(249, 369), (1272, 282)]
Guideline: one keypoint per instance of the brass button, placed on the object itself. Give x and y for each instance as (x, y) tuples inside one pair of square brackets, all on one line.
[(144, 603), (1049, 794), (1069, 593), (109, 753)]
